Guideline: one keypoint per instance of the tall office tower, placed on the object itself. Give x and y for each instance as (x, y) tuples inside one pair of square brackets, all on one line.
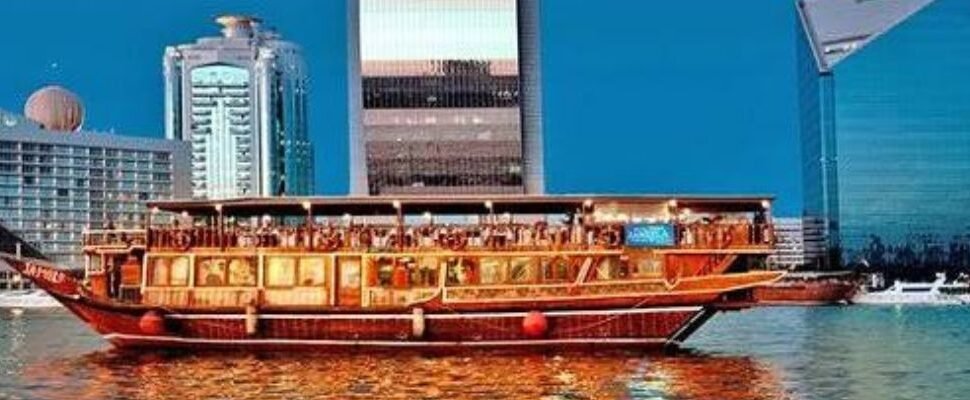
[(885, 128), (56, 180), (240, 99), (444, 97)]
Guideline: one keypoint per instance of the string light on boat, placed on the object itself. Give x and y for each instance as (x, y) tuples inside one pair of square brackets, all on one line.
[(765, 204), (218, 207), (396, 204), (428, 217), (309, 212), (491, 211)]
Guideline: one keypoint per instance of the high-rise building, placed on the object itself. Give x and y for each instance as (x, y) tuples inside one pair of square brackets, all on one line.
[(56, 180), (444, 97), (240, 100), (885, 128)]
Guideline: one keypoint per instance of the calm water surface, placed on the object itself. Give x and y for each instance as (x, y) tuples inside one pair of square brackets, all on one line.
[(780, 353)]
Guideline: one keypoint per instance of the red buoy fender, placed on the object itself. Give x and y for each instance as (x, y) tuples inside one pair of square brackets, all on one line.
[(535, 324), (152, 323)]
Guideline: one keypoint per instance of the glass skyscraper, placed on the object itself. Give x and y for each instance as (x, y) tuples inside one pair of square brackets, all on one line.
[(240, 99), (444, 97), (885, 125)]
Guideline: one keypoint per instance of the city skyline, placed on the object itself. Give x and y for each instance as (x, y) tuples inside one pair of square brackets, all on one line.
[(758, 129)]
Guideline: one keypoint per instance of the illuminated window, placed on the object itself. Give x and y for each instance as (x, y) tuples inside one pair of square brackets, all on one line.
[(280, 271), (313, 271)]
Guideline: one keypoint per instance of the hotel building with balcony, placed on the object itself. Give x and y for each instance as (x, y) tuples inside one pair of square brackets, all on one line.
[(55, 183), (240, 100)]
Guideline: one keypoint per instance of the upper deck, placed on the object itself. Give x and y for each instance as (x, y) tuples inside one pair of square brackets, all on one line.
[(453, 223), (381, 252)]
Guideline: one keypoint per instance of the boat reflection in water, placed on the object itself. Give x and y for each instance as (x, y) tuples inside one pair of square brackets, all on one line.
[(118, 374)]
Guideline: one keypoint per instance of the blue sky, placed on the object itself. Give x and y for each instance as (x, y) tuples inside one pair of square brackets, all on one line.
[(639, 96)]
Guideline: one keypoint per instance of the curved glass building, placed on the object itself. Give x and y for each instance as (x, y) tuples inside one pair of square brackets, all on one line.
[(885, 128)]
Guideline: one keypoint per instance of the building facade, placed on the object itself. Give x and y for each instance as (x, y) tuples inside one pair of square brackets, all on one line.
[(799, 243), (240, 100), (450, 108), (885, 125), (54, 185)]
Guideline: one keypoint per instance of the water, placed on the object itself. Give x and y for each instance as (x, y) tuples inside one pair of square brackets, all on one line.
[(777, 353)]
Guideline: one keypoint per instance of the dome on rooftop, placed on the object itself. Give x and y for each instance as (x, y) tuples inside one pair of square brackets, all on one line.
[(55, 109)]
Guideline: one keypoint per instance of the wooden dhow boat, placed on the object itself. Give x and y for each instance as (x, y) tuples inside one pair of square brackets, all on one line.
[(430, 273)]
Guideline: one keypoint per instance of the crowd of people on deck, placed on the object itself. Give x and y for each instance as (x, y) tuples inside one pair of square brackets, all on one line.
[(330, 237)]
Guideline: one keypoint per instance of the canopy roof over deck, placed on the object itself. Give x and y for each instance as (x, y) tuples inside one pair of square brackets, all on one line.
[(454, 205)]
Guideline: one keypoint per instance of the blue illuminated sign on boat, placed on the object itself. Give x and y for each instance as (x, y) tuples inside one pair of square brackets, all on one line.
[(649, 235)]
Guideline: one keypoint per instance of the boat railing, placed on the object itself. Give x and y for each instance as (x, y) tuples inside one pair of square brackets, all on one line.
[(122, 238), (521, 237)]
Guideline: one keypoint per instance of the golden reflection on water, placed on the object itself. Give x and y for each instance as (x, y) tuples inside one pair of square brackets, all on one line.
[(121, 375)]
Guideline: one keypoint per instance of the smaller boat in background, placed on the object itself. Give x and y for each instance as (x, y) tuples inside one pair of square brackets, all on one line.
[(27, 299), (938, 292), (809, 289)]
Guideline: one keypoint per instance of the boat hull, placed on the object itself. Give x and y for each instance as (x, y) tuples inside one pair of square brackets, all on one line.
[(629, 328), (809, 293), (635, 321)]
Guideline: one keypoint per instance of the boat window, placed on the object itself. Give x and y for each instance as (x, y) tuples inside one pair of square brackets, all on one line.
[(313, 271), (280, 271), (381, 271), (523, 270), (96, 263), (180, 272), (242, 272), (169, 271), (424, 272), (349, 272), (210, 272), (494, 270), (461, 271), (217, 271), (560, 269)]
